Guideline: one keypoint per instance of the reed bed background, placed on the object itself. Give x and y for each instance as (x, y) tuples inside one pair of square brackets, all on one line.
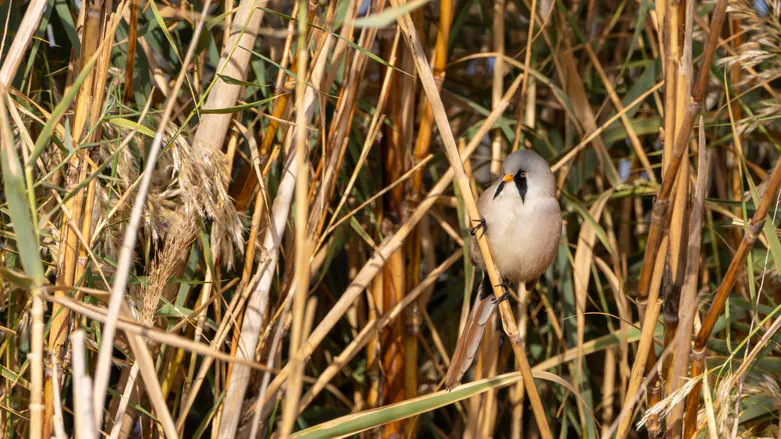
[(248, 218)]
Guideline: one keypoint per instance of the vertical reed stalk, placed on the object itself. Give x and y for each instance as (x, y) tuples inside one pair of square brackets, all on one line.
[(688, 309), (420, 248), (132, 36), (69, 248), (394, 359), (497, 86), (36, 367), (646, 345), (303, 244), (82, 390)]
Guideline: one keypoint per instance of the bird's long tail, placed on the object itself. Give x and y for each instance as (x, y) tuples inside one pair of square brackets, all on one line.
[(473, 333)]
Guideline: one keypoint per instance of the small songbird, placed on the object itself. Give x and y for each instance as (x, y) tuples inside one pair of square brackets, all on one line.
[(521, 219)]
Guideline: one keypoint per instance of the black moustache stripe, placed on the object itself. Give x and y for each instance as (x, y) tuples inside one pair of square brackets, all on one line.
[(499, 189), (520, 183)]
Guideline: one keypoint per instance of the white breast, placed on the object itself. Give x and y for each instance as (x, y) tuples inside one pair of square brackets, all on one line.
[(523, 236)]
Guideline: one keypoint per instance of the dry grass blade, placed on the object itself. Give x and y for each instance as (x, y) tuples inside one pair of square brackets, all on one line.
[(581, 272)]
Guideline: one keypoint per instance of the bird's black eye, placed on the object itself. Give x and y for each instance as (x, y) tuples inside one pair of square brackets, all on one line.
[(521, 184)]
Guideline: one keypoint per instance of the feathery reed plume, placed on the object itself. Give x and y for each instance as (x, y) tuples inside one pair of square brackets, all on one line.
[(190, 176), (164, 265)]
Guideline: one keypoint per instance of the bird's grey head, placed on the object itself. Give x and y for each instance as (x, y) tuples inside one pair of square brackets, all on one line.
[(529, 174)]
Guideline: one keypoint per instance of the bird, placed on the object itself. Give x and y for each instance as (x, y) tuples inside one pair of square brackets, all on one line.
[(521, 219)]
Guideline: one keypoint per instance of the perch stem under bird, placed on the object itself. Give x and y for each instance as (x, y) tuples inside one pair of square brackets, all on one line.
[(521, 219)]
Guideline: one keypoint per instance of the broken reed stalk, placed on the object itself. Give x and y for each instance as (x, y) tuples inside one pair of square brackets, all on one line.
[(688, 304), (508, 319), (125, 261), (717, 306)]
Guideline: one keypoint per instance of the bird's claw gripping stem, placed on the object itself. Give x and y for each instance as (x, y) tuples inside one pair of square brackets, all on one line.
[(480, 225), (506, 294)]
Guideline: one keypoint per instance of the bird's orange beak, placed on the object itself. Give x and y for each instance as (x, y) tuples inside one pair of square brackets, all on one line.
[(507, 178)]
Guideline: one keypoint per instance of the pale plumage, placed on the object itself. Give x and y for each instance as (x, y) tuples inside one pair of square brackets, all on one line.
[(523, 227)]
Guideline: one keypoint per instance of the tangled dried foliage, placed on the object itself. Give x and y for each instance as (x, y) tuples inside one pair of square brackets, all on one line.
[(189, 180)]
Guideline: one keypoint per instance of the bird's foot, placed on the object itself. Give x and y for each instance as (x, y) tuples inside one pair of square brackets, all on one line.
[(480, 225), (506, 294)]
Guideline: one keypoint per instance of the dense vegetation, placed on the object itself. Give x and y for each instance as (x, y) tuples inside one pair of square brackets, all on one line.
[(247, 218)]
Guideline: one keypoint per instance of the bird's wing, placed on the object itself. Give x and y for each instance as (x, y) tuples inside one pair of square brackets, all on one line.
[(473, 333)]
